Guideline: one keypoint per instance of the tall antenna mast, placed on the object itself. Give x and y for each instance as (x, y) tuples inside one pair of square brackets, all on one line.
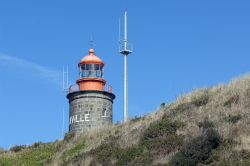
[(65, 75), (119, 35), (65, 87), (62, 123), (125, 50)]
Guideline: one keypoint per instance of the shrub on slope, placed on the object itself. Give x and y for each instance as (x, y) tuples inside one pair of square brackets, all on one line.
[(199, 149)]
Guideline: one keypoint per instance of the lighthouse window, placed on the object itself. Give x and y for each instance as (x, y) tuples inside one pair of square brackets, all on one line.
[(91, 70), (82, 71), (83, 67), (88, 66), (98, 71), (98, 74), (97, 67), (89, 73), (104, 112)]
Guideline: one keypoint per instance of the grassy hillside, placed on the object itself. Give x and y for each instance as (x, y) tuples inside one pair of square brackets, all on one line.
[(206, 127)]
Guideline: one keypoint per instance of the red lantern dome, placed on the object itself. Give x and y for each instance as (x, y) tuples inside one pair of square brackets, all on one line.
[(91, 58), (91, 73)]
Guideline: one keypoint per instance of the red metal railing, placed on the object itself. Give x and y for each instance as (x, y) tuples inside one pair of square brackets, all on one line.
[(74, 87)]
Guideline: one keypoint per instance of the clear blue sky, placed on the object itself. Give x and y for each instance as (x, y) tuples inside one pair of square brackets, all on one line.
[(178, 46)]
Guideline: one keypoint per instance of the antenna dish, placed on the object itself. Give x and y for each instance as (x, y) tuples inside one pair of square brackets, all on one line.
[(125, 48)]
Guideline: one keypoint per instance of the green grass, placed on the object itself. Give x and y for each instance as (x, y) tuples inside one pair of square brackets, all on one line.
[(39, 156), (107, 151), (234, 99), (201, 99), (235, 157), (199, 149), (72, 152), (233, 118), (159, 138)]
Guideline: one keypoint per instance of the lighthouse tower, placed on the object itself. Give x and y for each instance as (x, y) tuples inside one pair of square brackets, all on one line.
[(90, 107)]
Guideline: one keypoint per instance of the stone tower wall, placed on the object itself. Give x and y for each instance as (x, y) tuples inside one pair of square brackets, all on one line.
[(90, 110)]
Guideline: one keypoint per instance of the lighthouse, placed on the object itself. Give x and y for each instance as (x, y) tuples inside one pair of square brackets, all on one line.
[(90, 106)]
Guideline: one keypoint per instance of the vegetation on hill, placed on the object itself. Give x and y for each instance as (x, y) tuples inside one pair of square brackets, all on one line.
[(206, 127)]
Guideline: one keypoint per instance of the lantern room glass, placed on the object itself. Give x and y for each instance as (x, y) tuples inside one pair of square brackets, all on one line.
[(91, 71)]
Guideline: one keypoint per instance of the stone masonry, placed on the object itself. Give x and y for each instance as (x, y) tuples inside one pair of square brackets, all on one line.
[(90, 110)]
